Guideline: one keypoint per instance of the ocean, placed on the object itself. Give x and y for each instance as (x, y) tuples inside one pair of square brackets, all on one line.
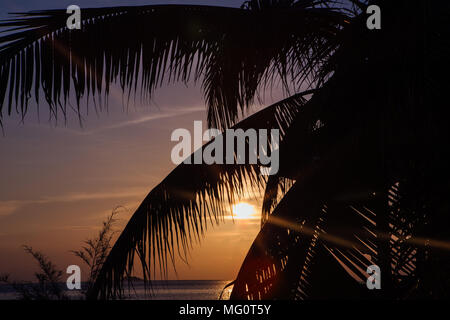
[(161, 290)]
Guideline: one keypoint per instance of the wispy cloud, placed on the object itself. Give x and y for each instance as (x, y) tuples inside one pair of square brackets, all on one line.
[(156, 115), (10, 206), (173, 113), (82, 196), (169, 113)]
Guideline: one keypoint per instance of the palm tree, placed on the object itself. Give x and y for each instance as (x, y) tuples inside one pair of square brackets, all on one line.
[(363, 148)]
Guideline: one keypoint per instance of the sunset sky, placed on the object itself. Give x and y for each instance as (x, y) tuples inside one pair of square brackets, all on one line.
[(58, 182)]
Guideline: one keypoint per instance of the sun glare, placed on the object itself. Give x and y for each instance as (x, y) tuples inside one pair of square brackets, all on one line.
[(243, 210)]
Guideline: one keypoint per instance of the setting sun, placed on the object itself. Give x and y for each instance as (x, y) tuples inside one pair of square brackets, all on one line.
[(243, 210)]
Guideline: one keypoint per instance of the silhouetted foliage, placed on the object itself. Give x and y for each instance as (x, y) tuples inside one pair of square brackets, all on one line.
[(96, 249), (48, 284)]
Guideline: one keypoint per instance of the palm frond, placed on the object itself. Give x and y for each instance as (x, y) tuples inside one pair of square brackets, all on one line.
[(388, 218), (178, 210), (308, 242), (286, 242), (232, 51)]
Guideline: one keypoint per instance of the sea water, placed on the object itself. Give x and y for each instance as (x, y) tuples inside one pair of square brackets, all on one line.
[(160, 290)]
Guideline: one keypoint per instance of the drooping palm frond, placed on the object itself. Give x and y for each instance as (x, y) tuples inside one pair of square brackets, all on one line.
[(381, 92), (178, 210), (317, 157), (329, 228), (324, 251), (233, 51), (275, 262)]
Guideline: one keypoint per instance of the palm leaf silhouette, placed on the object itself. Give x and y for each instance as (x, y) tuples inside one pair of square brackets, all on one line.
[(150, 45), (319, 242), (177, 211)]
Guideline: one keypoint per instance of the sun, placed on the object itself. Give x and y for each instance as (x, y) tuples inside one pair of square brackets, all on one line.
[(243, 210)]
